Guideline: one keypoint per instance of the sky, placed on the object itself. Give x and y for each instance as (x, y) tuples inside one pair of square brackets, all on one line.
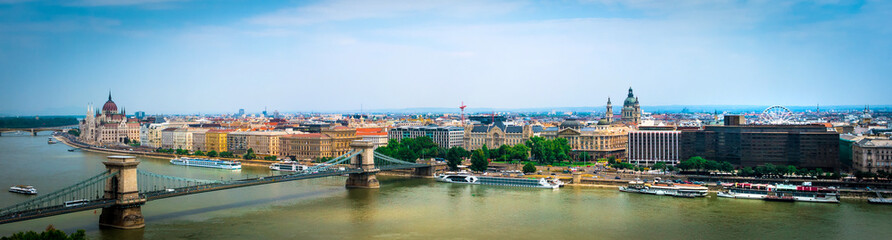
[(164, 56)]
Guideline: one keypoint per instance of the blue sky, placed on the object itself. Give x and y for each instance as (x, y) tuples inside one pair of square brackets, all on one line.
[(163, 56)]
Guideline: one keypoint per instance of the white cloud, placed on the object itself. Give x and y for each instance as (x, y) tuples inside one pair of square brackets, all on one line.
[(344, 10), (119, 2)]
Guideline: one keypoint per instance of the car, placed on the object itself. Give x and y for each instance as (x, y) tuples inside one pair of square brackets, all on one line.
[(617, 177)]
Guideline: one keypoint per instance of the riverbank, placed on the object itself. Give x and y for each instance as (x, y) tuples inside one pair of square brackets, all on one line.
[(85, 147)]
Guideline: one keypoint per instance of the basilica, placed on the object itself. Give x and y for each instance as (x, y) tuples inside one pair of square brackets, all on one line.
[(108, 127)]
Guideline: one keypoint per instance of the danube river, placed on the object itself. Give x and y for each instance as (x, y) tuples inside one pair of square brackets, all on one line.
[(405, 208)]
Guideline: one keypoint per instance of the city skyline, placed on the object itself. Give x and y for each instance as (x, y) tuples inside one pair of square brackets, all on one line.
[(329, 56)]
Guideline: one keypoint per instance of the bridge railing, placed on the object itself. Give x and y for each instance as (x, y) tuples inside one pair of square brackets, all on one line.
[(384, 162), (335, 161), (80, 193)]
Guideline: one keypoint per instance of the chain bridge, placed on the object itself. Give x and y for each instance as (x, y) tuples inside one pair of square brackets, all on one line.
[(122, 189)]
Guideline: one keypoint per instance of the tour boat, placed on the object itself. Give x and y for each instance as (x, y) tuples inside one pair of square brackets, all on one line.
[(497, 181), (807, 193), (208, 163), (746, 191), (666, 189), (50, 141), (782, 192), (23, 189), (287, 166), (879, 199)]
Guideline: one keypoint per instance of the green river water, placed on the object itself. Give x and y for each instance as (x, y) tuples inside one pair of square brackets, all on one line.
[(409, 208)]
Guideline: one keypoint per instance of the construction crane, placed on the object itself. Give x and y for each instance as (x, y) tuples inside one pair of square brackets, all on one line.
[(462, 107)]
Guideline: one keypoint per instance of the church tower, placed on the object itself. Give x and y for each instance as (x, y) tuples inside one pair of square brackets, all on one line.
[(609, 114), (631, 109)]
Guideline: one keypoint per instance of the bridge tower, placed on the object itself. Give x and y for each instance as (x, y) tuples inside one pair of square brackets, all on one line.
[(365, 161), (123, 188)]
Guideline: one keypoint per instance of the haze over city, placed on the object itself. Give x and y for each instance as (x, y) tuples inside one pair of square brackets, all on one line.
[(339, 55)]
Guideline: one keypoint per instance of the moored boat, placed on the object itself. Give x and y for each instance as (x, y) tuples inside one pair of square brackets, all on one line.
[(208, 163), (30, 190), (666, 189), (497, 181)]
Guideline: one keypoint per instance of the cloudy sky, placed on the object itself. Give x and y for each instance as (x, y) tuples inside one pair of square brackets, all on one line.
[(163, 56)]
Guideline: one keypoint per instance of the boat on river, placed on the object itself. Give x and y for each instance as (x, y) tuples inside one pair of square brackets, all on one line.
[(30, 190), (497, 181), (781, 192), (879, 199), (208, 163), (51, 141), (666, 189)]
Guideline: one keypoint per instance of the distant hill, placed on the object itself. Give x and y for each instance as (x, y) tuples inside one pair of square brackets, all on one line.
[(33, 121)]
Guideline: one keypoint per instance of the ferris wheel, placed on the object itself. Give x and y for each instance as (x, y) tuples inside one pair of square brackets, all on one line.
[(776, 115)]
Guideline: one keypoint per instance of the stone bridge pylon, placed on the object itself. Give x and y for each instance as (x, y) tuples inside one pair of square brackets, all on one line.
[(126, 213), (365, 160)]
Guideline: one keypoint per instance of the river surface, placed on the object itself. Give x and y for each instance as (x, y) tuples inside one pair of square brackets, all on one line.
[(407, 208)]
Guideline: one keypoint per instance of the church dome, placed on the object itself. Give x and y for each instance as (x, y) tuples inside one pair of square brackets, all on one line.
[(110, 106), (571, 123), (631, 99)]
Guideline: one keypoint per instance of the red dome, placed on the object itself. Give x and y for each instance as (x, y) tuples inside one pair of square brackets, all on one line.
[(110, 106)]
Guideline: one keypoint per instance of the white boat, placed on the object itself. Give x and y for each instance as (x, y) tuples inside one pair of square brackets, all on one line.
[(666, 188), (30, 190), (497, 181), (745, 191), (781, 192), (50, 141), (288, 166), (208, 163)]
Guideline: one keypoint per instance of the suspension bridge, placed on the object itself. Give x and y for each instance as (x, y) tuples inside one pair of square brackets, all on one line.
[(122, 189)]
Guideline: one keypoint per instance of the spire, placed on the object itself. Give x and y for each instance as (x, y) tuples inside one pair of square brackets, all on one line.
[(109, 95), (630, 92), (608, 100)]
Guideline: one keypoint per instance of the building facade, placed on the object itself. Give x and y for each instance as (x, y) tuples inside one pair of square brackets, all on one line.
[(377, 136), (167, 138), (445, 137), (872, 155), (646, 148), (803, 146), (598, 142), (631, 109), (199, 140), (307, 146), (264, 143), (215, 140), (237, 142), (108, 127), (150, 134), (495, 135)]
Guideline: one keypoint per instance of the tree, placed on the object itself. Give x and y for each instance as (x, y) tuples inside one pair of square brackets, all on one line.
[(212, 153), (520, 152), (182, 152), (529, 168), (746, 172), (270, 158), (227, 154), (51, 233), (478, 161), (611, 159), (711, 165), (249, 155), (660, 165), (485, 151), (790, 170), (584, 156), (726, 167), (198, 153), (454, 157)]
